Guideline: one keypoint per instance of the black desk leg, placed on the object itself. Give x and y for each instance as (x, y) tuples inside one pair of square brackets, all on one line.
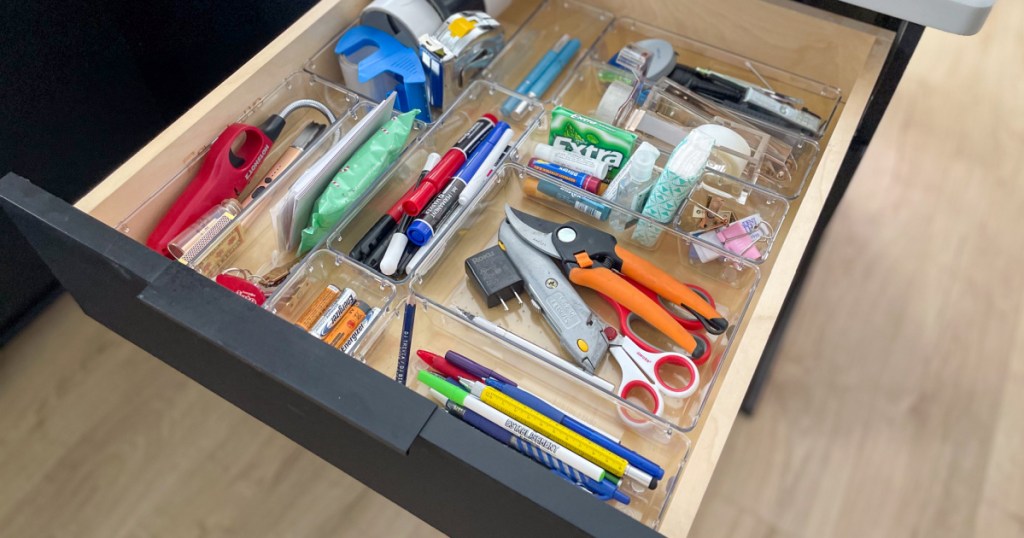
[(907, 37)]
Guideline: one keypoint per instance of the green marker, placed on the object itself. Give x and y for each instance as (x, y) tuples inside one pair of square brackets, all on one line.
[(465, 399)]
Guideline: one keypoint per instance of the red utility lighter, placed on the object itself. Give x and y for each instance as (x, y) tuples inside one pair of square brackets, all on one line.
[(224, 174)]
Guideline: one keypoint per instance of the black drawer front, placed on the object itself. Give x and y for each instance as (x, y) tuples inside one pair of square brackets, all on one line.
[(362, 422)]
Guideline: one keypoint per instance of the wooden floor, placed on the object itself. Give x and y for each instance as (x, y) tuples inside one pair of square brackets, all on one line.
[(896, 408)]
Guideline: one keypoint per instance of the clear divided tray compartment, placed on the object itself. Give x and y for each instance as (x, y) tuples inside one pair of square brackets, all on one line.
[(546, 26), (442, 280), (300, 85), (438, 330), (250, 241), (742, 195), (480, 98), (325, 63), (322, 268), (821, 99), (787, 162)]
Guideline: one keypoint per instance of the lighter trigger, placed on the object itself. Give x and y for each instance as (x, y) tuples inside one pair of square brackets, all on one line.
[(235, 160)]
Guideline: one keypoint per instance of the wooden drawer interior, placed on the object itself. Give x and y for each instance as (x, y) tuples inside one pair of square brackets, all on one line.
[(820, 46)]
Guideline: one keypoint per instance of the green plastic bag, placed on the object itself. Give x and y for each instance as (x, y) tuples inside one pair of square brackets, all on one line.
[(357, 174)]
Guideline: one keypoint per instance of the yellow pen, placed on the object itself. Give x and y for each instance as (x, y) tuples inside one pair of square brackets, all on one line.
[(571, 440)]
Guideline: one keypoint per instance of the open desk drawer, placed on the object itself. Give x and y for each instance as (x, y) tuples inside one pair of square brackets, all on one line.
[(331, 405)]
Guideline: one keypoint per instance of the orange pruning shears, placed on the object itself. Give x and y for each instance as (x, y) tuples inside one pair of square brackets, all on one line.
[(593, 259)]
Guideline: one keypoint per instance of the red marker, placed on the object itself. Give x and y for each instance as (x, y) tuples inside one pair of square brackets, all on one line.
[(414, 201), (443, 367)]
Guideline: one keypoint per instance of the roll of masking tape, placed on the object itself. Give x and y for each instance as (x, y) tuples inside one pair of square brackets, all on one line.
[(407, 20), (614, 98)]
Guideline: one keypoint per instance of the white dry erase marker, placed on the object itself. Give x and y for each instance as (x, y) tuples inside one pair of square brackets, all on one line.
[(393, 255), (476, 184)]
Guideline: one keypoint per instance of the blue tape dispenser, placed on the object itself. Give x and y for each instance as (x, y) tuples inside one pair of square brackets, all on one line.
[(383, 64)]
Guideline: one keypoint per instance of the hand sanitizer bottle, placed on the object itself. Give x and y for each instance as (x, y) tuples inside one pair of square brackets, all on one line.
[(630, 188)]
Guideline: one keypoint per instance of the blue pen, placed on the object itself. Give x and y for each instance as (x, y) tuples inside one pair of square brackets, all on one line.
[(604, 490), (555, 69), (547, 78), (534, 74), (550, 411), (422, 229)]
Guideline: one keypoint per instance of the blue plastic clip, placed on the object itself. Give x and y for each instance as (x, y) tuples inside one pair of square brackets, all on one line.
[(391, 57)]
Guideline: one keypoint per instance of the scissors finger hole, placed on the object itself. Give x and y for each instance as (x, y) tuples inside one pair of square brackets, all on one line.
[(643, 396), (678, 375)]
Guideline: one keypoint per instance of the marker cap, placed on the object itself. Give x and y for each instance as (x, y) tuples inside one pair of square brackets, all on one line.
[(452, 392), (393, 254), (419, 232)]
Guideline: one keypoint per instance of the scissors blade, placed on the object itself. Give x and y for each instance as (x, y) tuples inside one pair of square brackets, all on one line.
[(535, 231)]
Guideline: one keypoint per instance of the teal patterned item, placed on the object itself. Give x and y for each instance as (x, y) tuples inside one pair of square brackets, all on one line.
[(681, 173)]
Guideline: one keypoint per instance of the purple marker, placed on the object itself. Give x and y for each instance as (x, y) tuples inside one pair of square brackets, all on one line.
[(478, 370)]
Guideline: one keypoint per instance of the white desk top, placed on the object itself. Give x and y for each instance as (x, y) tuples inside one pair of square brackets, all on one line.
[(963, 17)]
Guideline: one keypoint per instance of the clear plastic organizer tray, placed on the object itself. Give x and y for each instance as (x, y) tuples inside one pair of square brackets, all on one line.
[(787, 163), (325, 63), (735, 198), (437, 330), (250, 241), (554, 19), (300, 85), (718, 199), (596, 90), (601, 91), (323, 268), (442, 279), (819, 98), (480, 98)]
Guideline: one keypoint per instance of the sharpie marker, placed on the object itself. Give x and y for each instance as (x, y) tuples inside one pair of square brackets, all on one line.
[(421, 229), (554, 414), (371, 241), (459, 395), (604, 490), (480, 179), (437, 179), (396, 247)]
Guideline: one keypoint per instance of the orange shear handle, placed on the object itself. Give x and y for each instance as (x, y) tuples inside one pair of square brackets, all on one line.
[(671, 289), (608, 282)]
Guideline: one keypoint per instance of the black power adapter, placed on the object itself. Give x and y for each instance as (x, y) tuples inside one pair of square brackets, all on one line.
[(495, 276)]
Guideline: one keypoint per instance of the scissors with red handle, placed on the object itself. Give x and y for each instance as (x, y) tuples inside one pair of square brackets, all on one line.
[(642, 370)]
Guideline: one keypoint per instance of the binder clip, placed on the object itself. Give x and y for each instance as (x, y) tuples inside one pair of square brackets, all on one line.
[(380, 60), (465, 44)]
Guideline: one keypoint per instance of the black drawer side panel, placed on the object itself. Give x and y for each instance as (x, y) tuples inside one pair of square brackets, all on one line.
[(433, 465), (200, 328)]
